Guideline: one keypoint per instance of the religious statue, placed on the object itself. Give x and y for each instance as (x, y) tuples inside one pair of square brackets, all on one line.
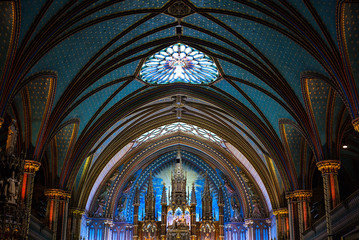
[(256, 213), (11, 188), (99, 212), (237, 209), (11, 138)]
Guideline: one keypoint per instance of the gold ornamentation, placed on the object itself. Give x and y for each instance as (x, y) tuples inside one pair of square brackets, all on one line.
[(31, 166), (355, 123), (54, 193), (328, 166), (280, 211), (77, 211), (1, 121), (299, 195)]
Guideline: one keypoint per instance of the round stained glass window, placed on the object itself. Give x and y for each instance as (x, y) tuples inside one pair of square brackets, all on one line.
[(179, 63)]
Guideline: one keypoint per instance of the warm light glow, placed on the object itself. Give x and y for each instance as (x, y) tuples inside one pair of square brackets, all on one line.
[(345, 146)]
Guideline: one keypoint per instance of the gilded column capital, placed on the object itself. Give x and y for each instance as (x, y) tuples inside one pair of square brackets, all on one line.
[(280, 211), (328, 166), (31, 166), (355, 123), (299, 195), (77, 211), (54, 193)]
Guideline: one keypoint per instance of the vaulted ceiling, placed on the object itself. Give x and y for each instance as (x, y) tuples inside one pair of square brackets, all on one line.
[(285, 99)]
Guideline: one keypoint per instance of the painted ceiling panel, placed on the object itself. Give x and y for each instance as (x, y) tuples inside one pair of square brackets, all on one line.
[(232, 70), (289, 58), (228, 88), (327, 10), (39, 93), (232, 6), (293, 137), (28, 14), (79, 47), (318, 92), (351, 33), (63, 140), (199, 20), (153, 23), (7, 19), (133, 86), (91, 105), (338, 106), (270, 108), (196, 34)]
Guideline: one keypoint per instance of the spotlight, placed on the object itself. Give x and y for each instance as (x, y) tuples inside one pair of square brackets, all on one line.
[(345, 146)]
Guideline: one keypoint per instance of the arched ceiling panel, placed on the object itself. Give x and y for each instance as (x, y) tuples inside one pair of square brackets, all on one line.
[(41, 92), (291, 139), (269, 107), (228, 88), (133, 86), (81, 46), (349, 26), (121, 72), (7, 25), (91, 105), (318, 93), (29, 11), (289, 58), (234, 71)]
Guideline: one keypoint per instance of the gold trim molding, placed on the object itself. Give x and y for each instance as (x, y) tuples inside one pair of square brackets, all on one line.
[(31, 166), (77, 211), (280, 211), (328, 166), (355, 123), (299, 195), (54, 193)]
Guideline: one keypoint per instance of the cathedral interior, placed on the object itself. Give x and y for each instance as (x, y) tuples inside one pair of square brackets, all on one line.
[(179, 119)]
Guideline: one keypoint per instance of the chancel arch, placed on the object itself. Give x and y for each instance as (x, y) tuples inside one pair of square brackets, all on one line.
[(256, 100)]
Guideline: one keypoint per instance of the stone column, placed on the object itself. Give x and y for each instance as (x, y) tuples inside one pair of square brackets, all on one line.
[(221, 221), (329, 169), (250, 231), (303, 198), (135, 221), (293, 216), (57, 212), (163, 221), (281, 216), (30, 168), (75, 223), (108, 224)]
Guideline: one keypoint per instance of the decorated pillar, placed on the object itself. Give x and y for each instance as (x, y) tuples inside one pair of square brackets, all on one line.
[(281, 216), (30, 168), (136, 204), (193, 213), (329, 169), (163, 213), (108, 224), (303, 198), (75, 223), (57, 212), (293, 216), (249, 224), (221, 214)]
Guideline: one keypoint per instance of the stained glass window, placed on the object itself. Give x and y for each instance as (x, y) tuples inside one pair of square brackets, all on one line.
[(179, 63), (182, 127)]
